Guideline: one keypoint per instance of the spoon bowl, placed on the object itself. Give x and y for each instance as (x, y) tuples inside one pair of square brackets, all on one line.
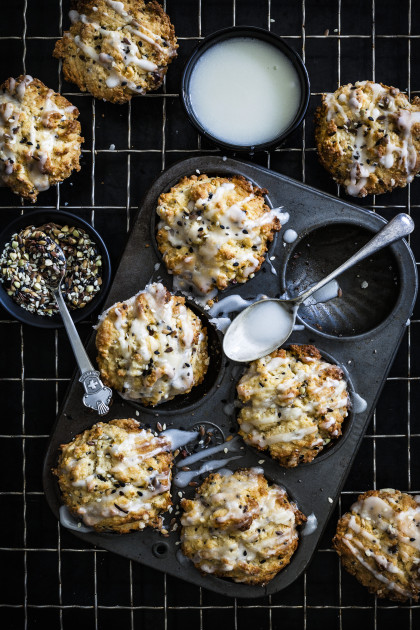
[(267, 324)]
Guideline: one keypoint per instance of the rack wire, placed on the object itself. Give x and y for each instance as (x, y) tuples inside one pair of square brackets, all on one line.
[(52, 578)]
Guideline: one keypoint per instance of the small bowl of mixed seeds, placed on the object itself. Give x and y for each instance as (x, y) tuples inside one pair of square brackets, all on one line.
[(23, 289)]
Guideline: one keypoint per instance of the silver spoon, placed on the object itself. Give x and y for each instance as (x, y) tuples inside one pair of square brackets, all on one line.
[(248, 339), (53, 269)]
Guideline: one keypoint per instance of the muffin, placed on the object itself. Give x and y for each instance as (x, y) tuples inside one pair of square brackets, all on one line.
[(117, 49), (39, 137), (152, 347), (378, 542), (240, 527), (294, 404), (368, 137), (214, 231), (116, 476)]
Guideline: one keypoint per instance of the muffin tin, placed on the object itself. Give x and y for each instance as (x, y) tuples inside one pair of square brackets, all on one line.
[(359, 331)]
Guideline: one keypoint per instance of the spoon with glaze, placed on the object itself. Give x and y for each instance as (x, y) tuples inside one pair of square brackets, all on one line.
[(53, 269), (265, 325)]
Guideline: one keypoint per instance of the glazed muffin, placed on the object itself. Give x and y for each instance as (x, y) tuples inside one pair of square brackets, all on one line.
[(368, 137), (152, 347), (378, 542), (39, 137), (117, 49), (240, 527), (294, 404), (116, 476), (214, 231)]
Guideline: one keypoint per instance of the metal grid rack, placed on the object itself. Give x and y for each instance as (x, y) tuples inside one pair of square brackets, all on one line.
[(52, 579)]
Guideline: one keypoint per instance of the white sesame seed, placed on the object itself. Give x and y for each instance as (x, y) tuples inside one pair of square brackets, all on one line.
[(330, 500)]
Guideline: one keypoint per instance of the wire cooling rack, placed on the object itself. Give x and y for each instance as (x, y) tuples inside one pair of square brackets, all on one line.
[(50, 578)]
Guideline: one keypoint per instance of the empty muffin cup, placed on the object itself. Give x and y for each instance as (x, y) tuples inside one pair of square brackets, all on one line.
[(361, 298)]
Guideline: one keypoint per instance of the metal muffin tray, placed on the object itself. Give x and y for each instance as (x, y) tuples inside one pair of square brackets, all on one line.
[(360, 331)]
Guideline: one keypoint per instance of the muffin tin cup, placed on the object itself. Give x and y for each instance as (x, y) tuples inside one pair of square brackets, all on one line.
[(366, 358)]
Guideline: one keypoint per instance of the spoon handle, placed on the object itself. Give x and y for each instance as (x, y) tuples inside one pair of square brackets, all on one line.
[(96, 396), (400, 226)]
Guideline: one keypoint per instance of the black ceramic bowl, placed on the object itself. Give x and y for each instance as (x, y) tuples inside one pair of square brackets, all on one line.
[(255, 33), (39, 217)]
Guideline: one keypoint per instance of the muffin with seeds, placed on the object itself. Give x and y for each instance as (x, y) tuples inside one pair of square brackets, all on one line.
[(378, 542), (294, 404), (117, 49), (40, 140), (116, 476), (152, 347), (240, 527), (368, 137), (214, 231)]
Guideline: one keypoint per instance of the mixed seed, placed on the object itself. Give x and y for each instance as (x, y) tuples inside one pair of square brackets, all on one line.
[(29, 259)]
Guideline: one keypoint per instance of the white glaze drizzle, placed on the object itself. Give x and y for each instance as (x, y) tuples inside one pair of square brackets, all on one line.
[(183, 477), (225, 505), (403, 526), (382, 104), (119, 40), (124, 456), (230, 445), (213, 223), (139, 341), (277, 407), (42, 139)]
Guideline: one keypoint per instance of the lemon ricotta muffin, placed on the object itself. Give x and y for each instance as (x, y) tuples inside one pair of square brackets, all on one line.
[(240, 527), (368, 137), (152, 347), (294, 404), (39, 137), (116, 476), (117, 49), (214, 231), (379, 543)]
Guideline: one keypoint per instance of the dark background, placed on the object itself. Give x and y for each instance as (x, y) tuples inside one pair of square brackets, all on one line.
[(50, 579)]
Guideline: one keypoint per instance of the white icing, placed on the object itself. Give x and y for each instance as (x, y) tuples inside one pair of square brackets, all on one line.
[(290, 236), (125, 49), (41, 134), (403, 527), (223, 101), (225, 510), (294, 400), (183, 477), (211, 224), (359, 403), (398, 148), (231, 445), (167, 346), (178, 437), (125, 457), (311, 525), (262, 328), (325, 293)]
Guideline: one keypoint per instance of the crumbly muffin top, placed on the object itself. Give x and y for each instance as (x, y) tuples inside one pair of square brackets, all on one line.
[(117, 49), (152, 347), (240, 527), (295, 403), (116, 476), (368, 136), (214, 231), (379, 543), (39, 136)]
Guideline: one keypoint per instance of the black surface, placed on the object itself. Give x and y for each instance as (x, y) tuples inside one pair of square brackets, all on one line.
[(392, 444)]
